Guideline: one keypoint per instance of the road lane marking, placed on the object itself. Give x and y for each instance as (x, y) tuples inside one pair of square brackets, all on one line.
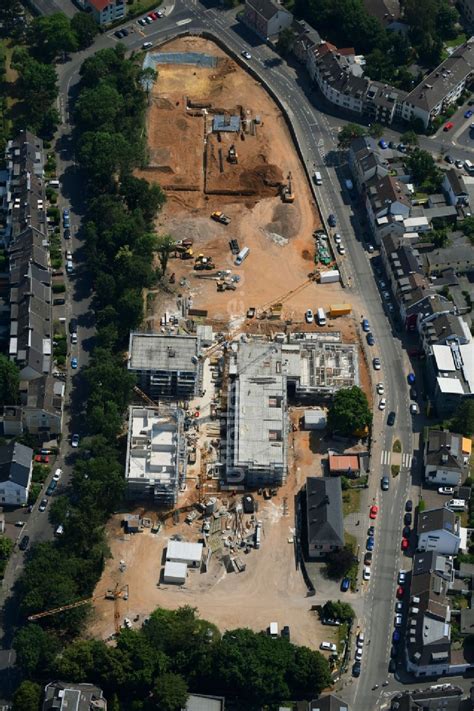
[(186, 21)]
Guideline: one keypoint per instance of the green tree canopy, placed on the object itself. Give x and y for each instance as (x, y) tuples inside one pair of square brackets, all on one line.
[(463, 421), (424, 170), (347, 134), (170, 692), (35, 649), (337, 610), (50, 35), (338, 563), (27, 697), (99, 107), (85, 29), (349, 411), (9, 381), (102, 155), (409, 138)]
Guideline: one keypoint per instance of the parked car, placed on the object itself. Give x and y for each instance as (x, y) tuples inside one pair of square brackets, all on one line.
[(414, 408), (118, 34), (370, 339), (59, 302), (331, 622), (382, 403), (365, 325), (42, 458), (396, 636), (413, 394), (371, 531), (406, 533), (24, 543), (328, 646), (373, 511), (332, 220), (57, 474), (51, 488), (359, 653), (366, 573), (147, 45), (43, 504), (341, 249), (399, 606), (309, 316), (459, 164), (411, 378), (380, 389), (383, 144), (448, 126), (75, 440), (125, 32), (385, 483), (141, 21), (405, 544), (391, 418), (409, 505), (446, 490), (449, 160), (356, 669), (368, 558), (337, 238), (67, 233), (345, 584), (398, 620), (370, 543), (245, 54), (407, 519), (74, 363), (468, 113), (376, 363), (402, 577), (400, 592)]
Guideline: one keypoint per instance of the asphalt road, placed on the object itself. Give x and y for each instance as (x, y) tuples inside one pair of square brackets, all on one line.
[(317, 135)]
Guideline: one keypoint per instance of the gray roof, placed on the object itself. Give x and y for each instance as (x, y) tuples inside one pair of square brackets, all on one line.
[(154, 351), (15, 464), (434, 87), (265, 8), (437, 520), (428, 700), (336, 70), (444, 327), (451, 256), (456, 182), (200, 702), (65, 696), (444, 448), (324, 510), (329, 702)]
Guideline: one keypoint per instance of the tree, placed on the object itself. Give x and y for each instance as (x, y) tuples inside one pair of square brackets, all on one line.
[(440, 238), (35, 649), (349, 411), (102, 154), (337, 610), (6, 547), (338, 563), (309, 673), (376, 130), (463, 421), (424, 171), (85, 29), (10, 10), (348, 133), (99, 106), (409, 138), (38, 89), (285, 41), (467, 226), (164, 247), (27, 697), (9, 381), (51, 35), (170, 692), (143, 196)]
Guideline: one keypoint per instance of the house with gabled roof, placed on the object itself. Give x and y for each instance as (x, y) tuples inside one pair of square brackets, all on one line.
[(325, 528)]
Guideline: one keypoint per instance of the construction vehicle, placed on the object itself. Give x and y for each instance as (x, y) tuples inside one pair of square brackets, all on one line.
[(220, 217), (203, 263), (116, 594), (287, 194), (183, 249), (223, 285), (234, 246), (233, 156)]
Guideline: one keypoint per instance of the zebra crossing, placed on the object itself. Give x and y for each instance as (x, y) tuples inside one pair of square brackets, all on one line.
[(386, 458)]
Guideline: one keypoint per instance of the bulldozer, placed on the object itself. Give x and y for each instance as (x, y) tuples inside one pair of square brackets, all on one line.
[(202, 263), (220, 217), (287, 194), (233, 156)]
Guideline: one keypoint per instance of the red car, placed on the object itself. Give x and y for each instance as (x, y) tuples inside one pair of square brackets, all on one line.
[(448, 126), (154, 15), (405, 544), (42, 458), (373, 511), (400, 592)]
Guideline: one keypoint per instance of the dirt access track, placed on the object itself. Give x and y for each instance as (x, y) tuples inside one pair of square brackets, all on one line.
[(191, 162)]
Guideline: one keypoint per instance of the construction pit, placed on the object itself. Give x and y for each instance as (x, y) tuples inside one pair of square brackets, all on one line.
[(199, 115)]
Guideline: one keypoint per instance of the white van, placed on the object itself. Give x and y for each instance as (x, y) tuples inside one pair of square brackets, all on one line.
[(54, 184), (273, 629), (456, 504), (147, 45), (469, 166), (321, 316), (243, 254), (59, 531), (317, 178)]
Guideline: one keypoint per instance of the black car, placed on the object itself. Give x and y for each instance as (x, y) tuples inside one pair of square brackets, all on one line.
[(407, 519), (393, 651), (67, 233), (286, 632), (409, 505), (392, 666), (413, 394), (406, 532), (332, 220), (449, 160), (356, 669), (73, 325), (24, 543), (391, 418), (43, 504), (368, 558), (59, 302), (125, 32), (118, 34), (370, 339)]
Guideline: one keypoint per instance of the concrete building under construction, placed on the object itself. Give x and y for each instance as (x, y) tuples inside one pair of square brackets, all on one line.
[(262, 375), (156, 455)]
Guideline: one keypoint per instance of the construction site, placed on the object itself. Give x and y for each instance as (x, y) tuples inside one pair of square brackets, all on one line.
[(239, 203)]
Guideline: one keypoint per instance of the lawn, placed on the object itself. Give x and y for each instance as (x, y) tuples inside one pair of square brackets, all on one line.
[(397, 446), (350, 501), (456, 41)]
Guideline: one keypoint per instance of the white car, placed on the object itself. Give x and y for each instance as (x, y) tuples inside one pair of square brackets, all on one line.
[(341, 249), (402, 577), (382, 403), (147, 45), (366, 573), (446, 490), (68, 254), (398, 620), (57, 474), (370, 248), (309, 316), (337, 238), (380, 389), (414, 408), (360, 639), (328, 646), (75, 441), (376, 363), (358, 654), (246, 54)]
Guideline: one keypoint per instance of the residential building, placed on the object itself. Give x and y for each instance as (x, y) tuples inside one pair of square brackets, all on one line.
[(400, 261), (257, 426), (383, 103), (428, 309), (454, 188), (441, 696), (106, 11), (167, 367), (325, 528), (266, 18), (338, 74), (344, 464), (156, 455), (467, 9), (443, 328), (450, 375), (64, 696), (446, 458), (441, 87), (458, 257), (305, 37), (366, 161), (328, 702), (385, 197), (439, 530), (16, 466)]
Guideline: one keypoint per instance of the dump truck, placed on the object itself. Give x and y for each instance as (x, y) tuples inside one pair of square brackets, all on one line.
[(220, 217), (331, 275), (339, 310)]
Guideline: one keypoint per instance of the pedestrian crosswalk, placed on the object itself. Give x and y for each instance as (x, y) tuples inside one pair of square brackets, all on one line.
[(386, 458)]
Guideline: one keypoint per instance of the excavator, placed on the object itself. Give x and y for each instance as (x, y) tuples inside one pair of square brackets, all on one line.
[(203, 263), (287, 194), (220, 217)]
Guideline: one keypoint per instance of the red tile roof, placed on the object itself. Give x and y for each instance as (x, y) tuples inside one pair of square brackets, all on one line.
[(100, 4)]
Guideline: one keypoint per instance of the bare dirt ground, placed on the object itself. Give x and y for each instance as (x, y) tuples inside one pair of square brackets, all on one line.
[(184, 159)]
